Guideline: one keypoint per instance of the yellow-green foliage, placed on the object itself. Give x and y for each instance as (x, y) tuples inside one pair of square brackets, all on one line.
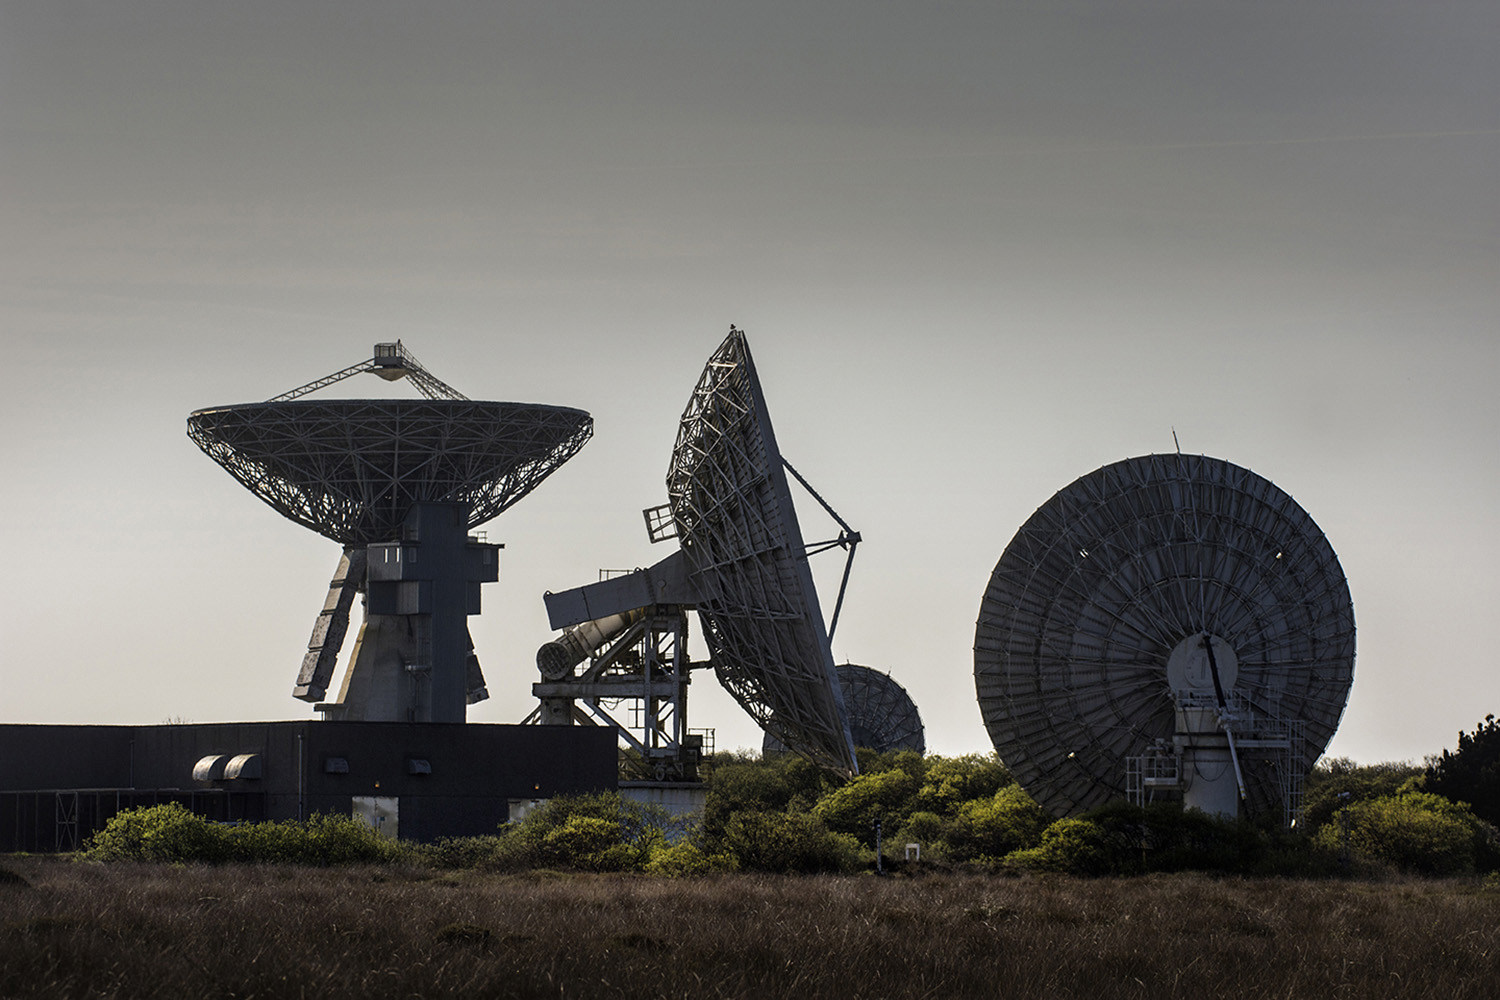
[(158, 833), (853, 809), (686, 858), (927, 829), (600, 832), (993, 827), (319, 840), (1338, 782), (171, 833), (780, 783), (1074, 846), (1413, 831), (951, 781), (787, 843)]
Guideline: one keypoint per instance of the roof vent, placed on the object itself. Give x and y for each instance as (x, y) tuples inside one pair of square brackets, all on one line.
[(245, 766), (210, 768)]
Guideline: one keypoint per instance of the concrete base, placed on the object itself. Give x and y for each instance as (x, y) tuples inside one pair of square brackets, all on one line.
[(377, 687), (1209, 782), (679, 800)]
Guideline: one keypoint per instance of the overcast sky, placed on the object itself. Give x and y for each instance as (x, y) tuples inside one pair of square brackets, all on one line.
[(980, 249)]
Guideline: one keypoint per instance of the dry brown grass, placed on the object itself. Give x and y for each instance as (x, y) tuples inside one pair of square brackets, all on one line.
[(76, 930)]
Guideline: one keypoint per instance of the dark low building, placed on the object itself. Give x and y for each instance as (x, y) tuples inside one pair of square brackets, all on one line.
[(420, 781)]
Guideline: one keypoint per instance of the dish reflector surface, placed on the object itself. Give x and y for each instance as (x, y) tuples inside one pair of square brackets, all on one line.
[(746, 558), (882, 715), (1109, 576), (350, 469)]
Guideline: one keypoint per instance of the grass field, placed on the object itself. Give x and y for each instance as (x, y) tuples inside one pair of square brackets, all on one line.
[(126, 930)]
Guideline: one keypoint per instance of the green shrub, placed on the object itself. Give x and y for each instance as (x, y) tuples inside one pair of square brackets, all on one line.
[(1074, 846), (778, 783), (599, 832), (854, 808), (171, 833), (686, 858), (879, 761), (1339, 782), (991, 828), (459, 852), (925, 828), (322, 840), (796, 843), (948, 782), (1415, 832), (592, 843), (159, 833)]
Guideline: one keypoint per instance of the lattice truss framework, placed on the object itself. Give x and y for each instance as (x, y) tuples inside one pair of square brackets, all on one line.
[(1109, 575), (745, 553), (350, 469)]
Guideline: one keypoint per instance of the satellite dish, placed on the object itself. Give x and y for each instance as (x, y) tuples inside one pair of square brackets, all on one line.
[(742, 565), (746, 559), (882, 715), (1169, 622), (386, 478), (351, 469)]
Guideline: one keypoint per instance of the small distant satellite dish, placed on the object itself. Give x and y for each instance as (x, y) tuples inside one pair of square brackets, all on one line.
[(1170, 622), (882, 716)]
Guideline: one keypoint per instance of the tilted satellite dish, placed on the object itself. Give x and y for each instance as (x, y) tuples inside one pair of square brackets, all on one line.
[(398, 483), (746, 559), (882, 715), (742, 565), (1169, 624)]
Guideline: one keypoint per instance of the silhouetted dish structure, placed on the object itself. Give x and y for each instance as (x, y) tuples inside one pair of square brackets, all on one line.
[(747, 561), (351, 469), (1109, 576), (882, 715)]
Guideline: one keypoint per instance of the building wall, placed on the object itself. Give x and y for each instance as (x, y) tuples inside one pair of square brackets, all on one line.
[(450, 779)]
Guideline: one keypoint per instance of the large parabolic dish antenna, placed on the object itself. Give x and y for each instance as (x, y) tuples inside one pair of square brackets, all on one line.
[(1100, 604), (398, 483), (747, 561), (351, 469)]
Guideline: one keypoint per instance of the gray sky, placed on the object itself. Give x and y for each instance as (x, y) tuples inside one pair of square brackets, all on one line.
[(979, 250)]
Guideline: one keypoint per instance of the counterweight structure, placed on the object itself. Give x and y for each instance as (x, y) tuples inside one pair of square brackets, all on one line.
[(399, 484), (1169, 625)]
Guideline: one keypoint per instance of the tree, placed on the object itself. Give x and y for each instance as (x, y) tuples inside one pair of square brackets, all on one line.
[(1472, 772)]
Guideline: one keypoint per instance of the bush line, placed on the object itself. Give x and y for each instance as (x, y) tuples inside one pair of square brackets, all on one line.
[(783, 815)]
